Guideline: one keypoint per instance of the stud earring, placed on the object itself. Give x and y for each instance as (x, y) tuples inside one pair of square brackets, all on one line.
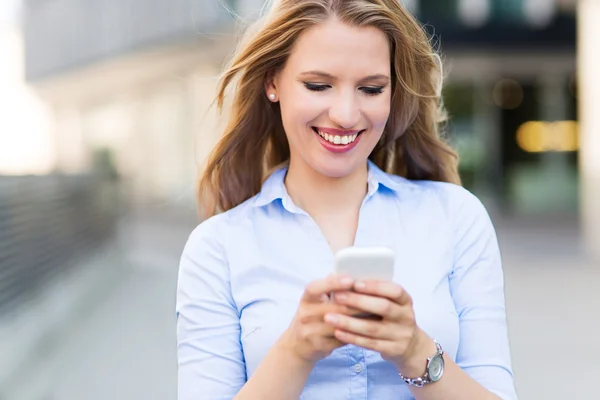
[(272, 97)]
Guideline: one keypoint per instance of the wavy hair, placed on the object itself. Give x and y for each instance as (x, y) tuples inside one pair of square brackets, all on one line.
[(254, 141)]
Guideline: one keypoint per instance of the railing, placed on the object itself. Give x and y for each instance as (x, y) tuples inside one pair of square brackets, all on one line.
[(47, 224)]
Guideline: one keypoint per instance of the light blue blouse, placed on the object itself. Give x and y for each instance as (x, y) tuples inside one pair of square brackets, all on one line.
[(242, 274)]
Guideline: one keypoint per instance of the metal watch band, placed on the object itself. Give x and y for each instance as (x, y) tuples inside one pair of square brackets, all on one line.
[(423, 380)]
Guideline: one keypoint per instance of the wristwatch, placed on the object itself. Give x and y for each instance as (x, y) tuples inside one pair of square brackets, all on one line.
[(433, 371)]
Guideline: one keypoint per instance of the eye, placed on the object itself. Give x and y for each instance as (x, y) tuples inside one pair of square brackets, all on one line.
[(315, 87), (372, 90)]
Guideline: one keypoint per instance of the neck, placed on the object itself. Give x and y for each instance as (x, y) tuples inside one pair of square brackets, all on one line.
[(318, 194)]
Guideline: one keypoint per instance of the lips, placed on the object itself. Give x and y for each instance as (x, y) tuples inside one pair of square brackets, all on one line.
[(336, 140), (337, 136)]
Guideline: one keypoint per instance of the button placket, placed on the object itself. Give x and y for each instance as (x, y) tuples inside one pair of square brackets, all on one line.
[(358, 371)]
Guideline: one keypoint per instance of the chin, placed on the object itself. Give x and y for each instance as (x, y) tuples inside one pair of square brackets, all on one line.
[(336, 168)]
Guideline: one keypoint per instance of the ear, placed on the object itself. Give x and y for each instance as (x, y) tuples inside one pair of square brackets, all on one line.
[(271, 84)]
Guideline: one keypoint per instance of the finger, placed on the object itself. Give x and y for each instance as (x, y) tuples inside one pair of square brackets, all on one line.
[(334, 308), (318, 329), (376, 305), (316, 289), (346, 310), (321, 335), (374, 329), (331, 299), (378, 345), (389, 290), (311, 313), (343, 310)]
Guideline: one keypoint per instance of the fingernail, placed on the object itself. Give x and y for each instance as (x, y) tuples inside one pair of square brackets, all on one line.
[(340, 296), (347, 281), (360, 285), (332, 318)]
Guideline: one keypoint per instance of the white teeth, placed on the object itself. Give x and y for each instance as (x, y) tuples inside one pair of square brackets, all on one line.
[(338, 139)]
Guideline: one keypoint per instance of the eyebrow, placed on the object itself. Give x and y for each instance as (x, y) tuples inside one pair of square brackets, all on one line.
[(366, 78)]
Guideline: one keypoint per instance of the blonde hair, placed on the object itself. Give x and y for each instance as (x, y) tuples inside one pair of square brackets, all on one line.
[(254, 141)]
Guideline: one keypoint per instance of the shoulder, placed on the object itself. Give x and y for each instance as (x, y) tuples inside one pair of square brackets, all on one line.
[(205, 241), (423, 192), (214, 231), (210, 228), (452, 196), (465, 217), (457, 204)]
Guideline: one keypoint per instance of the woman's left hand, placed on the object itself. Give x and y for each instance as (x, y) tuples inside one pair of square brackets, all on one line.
[(396, 336)]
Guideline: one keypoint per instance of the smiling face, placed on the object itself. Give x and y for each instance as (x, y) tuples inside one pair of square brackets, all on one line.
[(335, 93)]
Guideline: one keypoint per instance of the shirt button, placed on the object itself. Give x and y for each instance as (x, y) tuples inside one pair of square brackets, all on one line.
[(357, 368)]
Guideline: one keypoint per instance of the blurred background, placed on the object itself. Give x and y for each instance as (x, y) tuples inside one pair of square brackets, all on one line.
[(104, 117)]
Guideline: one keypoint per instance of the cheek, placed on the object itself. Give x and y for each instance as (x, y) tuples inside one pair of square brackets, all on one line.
[(298, 111), (378, 115), (381, 119)]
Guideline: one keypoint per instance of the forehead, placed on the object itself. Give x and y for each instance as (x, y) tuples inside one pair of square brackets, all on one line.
[(341, 49)]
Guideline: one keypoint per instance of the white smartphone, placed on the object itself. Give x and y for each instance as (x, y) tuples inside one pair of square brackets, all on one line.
[(365, 263)]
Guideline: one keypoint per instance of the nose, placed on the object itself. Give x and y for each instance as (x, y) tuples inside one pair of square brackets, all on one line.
[(345, 111)]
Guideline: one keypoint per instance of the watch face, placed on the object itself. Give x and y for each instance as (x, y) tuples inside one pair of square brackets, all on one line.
[(436, 368)]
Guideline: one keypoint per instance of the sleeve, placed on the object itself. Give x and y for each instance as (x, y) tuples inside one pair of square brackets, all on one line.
[(210, 359), (477, 288)]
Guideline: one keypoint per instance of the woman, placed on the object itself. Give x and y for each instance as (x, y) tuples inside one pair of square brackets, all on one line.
[(332, 93)]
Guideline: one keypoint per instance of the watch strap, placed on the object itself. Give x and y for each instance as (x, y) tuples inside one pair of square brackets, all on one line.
[(423, 380)]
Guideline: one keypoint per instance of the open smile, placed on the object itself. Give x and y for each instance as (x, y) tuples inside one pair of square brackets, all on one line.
[(336, 136), (336, 140)]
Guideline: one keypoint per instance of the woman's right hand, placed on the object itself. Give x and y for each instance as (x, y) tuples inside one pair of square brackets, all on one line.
[(308, 336)]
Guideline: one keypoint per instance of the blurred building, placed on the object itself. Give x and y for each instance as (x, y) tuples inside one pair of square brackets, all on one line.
[(588, 59), (25, 124), (512, 95), (135, 78)]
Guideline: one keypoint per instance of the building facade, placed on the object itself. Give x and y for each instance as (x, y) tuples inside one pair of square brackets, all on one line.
[(137, 78)]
